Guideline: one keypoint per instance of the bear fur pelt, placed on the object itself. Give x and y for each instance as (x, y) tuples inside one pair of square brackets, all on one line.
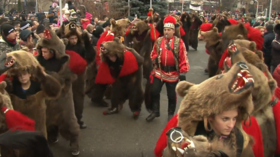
[(125, 77), (138, 38), (214, 45), (262, 96), (60, 112), (34, 106), (198, 104)]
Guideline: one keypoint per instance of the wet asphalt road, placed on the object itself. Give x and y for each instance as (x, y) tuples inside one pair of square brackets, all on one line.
[(119, 135)]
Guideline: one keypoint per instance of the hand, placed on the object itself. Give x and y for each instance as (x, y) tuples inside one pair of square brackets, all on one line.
[(40, 73), (182, 77)]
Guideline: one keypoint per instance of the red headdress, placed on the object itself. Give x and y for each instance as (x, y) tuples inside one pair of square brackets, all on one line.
[(169, 22), (206, 27)]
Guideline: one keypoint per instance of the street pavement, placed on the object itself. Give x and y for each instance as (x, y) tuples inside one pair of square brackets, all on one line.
[(119, 135)]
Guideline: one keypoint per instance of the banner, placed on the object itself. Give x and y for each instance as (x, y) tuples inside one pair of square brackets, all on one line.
[(196, 8)]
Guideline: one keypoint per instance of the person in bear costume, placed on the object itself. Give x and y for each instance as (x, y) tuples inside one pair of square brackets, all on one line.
[(122, 67), (200, 111), (18, 130), (266, 107), (42, 86), (60, 112), (79, 43), (97, 92), (140, 36), (25, 70)]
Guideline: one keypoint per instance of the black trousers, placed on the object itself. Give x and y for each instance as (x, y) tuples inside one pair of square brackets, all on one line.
[(171, 95), (267, 61)]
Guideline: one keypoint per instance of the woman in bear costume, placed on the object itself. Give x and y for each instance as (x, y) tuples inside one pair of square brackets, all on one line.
[(198, 114)]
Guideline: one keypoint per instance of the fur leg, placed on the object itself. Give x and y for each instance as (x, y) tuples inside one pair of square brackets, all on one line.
[(212, 67), (78, 96), (116, 98), (136, 99), (52, 134)]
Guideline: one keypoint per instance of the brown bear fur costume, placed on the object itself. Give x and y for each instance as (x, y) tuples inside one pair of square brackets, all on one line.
[(34, 106), (125, 76), (198, 104), (96, 93), (139, 39), (60, 112), (262, 99), (5, 101), (78, 86), (214, 44), (214, 47)]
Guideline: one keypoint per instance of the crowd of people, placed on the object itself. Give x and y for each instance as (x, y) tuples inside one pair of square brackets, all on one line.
[(47, 68)]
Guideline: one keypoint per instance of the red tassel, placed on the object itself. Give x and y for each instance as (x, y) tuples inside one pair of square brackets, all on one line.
[(207, 51), (3, 77), (151, 78), (35, 53), (224, 56), (182, 32), (17, 121)]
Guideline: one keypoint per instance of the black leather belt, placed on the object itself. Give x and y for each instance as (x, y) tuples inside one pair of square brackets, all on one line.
[(168, 68)]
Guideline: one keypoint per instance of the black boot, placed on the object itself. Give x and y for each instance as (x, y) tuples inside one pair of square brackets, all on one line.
[(99, 103), (171, 110), (155, 112), (82, 125)]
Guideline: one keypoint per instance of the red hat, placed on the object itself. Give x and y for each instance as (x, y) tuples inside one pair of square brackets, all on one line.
[(169, 22), (17, 121), (233, 22), (206, 27)]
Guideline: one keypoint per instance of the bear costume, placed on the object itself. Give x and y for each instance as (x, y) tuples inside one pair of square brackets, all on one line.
[(191, 111), (96, 92), (125, 75), (140, 36), (266, 107), (199, 104), (60, 112), (43, 86)]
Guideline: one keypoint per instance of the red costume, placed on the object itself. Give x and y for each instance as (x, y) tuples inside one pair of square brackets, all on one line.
[(129, 66), (168, 59), (253, 130)]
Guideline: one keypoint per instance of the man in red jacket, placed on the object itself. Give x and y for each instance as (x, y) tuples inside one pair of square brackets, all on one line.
[(171, 64)]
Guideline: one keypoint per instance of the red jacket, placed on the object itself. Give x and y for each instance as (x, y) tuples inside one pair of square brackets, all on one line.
[(167, 59)]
